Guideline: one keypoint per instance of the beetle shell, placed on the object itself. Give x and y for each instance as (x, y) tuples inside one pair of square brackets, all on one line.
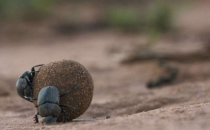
[(48, 100), (49, 109), (48, 94), (64, 75), (22, 87), (21, 84)]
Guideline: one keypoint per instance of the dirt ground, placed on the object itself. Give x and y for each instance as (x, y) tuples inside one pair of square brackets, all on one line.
[(120, 90)]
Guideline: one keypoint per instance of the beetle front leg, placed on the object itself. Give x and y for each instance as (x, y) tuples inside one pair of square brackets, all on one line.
[(30, 99), (36, 120)]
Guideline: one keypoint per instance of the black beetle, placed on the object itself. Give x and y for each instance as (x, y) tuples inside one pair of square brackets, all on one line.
[(24, 83), (49, 106)]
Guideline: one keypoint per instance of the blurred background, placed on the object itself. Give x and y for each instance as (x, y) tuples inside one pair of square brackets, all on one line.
[(142, 54)]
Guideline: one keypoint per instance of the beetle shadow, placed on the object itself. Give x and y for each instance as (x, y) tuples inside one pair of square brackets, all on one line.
[(87, 120), (83, 120)]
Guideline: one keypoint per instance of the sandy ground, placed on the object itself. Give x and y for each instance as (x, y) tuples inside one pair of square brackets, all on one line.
[(120, 90)]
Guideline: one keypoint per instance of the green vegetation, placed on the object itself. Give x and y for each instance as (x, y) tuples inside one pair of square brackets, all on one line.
[(157, 19), (123, 19), (160, 18), (24, 9), (154, 20)]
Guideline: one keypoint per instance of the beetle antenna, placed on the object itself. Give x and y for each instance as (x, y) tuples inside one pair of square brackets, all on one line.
[(71, 89)]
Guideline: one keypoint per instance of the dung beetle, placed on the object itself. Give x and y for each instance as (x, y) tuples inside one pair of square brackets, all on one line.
[(24, 83), (48, 104)]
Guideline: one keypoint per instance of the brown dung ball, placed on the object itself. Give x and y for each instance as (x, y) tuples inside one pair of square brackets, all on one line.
[(64, 75)]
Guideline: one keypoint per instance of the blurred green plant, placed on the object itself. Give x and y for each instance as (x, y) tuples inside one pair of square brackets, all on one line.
[(123, 19), (24, 9), (154, 21), (158, 19)]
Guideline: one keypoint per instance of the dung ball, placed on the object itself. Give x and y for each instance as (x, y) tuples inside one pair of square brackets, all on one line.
[(64, 75)]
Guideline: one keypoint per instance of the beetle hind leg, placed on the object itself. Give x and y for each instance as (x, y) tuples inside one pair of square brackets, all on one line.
[(71, 107), (36, 120), (33, 70), (64, 116), (70, 90)]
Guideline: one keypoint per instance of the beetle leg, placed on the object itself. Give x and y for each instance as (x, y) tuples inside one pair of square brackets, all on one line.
[(28, 79), (71, 89), (30, 99), (26, 98), (30, 76), (33, 73), (71, 107), (36, 120), (33, 69), (64, 116)]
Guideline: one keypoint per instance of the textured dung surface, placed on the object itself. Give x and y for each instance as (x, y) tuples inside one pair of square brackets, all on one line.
[(64, 75)]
